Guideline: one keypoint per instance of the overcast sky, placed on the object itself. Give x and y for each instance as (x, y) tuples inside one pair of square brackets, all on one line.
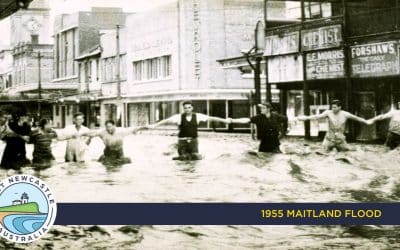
[(70, 6)]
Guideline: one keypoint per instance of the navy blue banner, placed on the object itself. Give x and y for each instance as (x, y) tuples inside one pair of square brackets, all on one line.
[(228, 214)]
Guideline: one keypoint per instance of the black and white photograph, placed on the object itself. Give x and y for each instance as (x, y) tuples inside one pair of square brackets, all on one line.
[(208, 101)]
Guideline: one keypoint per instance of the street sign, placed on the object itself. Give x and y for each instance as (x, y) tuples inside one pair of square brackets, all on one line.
[(326, 64), (375, 59), (281, 44), (321, 38)]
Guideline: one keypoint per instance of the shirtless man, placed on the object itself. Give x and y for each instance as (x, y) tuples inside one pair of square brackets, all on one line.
[(393, 137), (337, 119), (112, 138)]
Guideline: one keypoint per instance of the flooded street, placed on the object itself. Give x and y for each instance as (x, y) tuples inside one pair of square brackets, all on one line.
[(228, 173)]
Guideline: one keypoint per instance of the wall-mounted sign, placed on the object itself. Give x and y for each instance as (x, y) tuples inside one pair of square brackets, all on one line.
[(325, 64), (197, 39), (321, 38), (282, 44), (376, 59), (287, 68)]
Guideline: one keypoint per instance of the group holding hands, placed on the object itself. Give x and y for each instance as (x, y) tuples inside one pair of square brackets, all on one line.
[(271, 126)]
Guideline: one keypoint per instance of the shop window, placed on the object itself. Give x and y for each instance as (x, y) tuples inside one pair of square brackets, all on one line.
[(218, 109), (239, 109), (200, 107), (138, 114)]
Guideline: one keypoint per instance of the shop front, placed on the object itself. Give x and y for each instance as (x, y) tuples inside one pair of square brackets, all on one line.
[(375, 72)]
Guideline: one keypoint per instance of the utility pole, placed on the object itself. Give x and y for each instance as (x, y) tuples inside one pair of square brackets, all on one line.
[(268, 95), (306, 91), (259, 48), (118, 64), (120, 106), (39, 112)]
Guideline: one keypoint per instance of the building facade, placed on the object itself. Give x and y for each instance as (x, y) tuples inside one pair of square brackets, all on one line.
[(114, 85), (347, 50), (27, 74), (171, 56), (74, 36), (6, 68)]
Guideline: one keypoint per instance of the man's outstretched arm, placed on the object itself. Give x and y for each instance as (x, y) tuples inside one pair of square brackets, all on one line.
[(356, 118), (241, 120), (217, 119), (91, 133), (312, 117), (170, 120), (132, 130), (385, 116)]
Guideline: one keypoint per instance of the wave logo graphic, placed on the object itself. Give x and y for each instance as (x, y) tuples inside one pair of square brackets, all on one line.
[(27, 208)]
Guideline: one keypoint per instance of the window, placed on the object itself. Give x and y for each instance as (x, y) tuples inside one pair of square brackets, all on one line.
[(137, 71), (156, 68), (89, 71), (166, 62), (9, 81), (65, 64), (109, 68), (34, 39), (97, 69)]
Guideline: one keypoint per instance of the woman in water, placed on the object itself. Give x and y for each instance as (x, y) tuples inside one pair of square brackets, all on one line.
[(14, 155), (41, 139)]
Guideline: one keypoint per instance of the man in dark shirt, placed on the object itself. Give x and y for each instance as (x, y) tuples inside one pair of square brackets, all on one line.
[(188, 123), (270, 127)]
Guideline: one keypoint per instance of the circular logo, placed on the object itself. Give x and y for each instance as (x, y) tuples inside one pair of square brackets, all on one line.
[(27, 208)]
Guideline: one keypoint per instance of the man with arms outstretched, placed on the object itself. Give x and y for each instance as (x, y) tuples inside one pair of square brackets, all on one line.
[(113, 138), (337, 119), (270, 127), (188, 123), (393, 137)]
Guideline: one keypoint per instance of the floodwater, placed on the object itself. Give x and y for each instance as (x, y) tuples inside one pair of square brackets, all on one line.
[(228, 173)]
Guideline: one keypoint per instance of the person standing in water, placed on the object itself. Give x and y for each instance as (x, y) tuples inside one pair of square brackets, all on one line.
[(393, 136), (41, 138), (14, 155), (270, 127), (337, 119), (188, 123), (4, 129), (112, 138), (77, 146)]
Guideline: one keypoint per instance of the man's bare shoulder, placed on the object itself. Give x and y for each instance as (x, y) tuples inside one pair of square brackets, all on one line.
[(345, 113)]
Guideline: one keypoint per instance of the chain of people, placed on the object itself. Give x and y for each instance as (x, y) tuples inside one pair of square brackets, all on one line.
[(16, 131)]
